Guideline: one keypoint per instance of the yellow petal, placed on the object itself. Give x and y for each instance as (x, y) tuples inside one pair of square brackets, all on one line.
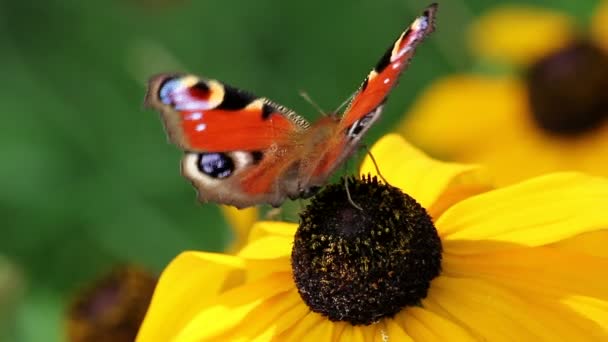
[(595, 310), (492, 313), (519, 34), (338, 329), (393, 331), (267, 255), (599, 24), (186, 286), (241, 221), (543, 271), (320, 332), (285, 322), (299, 331), (591, 243), (270, 247), (423, 178), (369, 332), (456, 113), (424, 325), (265, 228), (230, 308), (270, 318), (540, 211), (352, 333)]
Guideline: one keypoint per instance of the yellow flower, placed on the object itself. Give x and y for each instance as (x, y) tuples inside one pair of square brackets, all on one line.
[(552, 116), (241, 221), (525, 262)]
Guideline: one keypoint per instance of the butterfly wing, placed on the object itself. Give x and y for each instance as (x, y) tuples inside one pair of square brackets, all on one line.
[(367, 103), (232, 139), (206, 115), (380, 81)]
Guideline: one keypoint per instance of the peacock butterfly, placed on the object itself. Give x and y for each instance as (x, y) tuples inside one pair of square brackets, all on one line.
[(244, 150)]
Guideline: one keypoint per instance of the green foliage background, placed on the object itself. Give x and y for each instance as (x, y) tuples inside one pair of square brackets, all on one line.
[(87, 178)]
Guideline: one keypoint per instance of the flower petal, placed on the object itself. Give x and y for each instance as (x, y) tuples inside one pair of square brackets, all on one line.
[(285, 322), (269, 247), (495, 314), (299, 331), (274, 228), (321, 332), (186, 286), (267, 255), (231, 307), (423, 178), (393, 331), (424, 325), (544, 271), (540, 211), (270, 318), (599, 24), (595, 310), (591, 243), (352, 333), (519, 34), (563, 281), (456, 113), (241, 221)]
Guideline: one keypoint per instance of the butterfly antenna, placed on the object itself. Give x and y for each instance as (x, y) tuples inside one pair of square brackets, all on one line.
[(350, 199), (274, 214), (371, 156), (312, 103), (345, 102)]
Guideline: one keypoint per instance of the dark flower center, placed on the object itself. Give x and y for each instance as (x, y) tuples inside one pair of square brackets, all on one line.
[(360, 266), (568, 89), (112, 308)]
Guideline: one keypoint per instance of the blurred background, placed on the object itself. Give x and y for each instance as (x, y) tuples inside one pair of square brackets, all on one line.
[(88, 179)]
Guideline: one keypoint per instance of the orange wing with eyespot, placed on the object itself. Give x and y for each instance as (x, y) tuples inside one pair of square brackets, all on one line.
[(206, 115), (244, 150)]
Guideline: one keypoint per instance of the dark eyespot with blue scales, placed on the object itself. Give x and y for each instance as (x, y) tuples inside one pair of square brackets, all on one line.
[(215, 165), (165, 88)]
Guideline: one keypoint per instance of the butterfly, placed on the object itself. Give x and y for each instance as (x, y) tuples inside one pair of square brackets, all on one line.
[(243, 150)]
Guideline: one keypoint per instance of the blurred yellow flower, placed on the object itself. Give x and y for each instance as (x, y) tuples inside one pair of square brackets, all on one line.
[(112, 308), (554, 117), (525, 262)]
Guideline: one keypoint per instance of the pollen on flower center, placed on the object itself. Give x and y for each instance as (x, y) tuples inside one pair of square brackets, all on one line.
[(567, 89), (360, 266)]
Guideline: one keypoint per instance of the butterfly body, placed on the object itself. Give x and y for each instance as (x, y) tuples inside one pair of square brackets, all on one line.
[(243, 150)]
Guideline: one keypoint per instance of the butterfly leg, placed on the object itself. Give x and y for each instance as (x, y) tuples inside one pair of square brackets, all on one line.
[(274, 214), (348, 195), (371, 156)]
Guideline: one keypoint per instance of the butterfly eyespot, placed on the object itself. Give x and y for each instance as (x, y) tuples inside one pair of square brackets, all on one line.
[(168, 86), (200, 90), (257, 151), (215, 165)]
